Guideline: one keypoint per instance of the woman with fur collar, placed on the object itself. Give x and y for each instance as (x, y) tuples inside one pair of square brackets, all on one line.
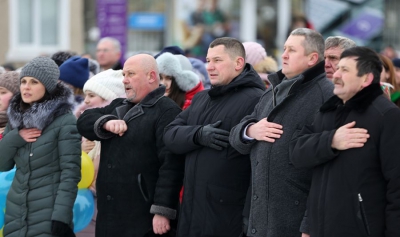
[(99, 91), (42, 141), (181, 82)]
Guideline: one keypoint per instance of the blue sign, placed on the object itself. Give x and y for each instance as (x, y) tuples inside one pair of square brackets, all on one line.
[(146, 21)]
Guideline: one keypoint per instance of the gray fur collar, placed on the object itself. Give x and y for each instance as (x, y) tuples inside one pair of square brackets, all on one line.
[(42, 114)]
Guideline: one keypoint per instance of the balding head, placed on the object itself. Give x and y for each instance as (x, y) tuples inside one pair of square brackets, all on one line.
[(140, 76)]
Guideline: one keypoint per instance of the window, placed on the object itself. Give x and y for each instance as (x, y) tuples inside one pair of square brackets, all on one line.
[(38, 27)]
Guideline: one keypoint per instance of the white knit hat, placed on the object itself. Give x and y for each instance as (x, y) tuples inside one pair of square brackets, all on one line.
[(107, 84), (180, 68), (255, 53)]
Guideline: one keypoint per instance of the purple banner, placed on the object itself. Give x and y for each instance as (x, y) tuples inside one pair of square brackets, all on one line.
[(112, 21)]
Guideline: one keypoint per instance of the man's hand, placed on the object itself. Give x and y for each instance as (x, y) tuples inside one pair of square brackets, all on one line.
[(213, 137), (305, 235), (160, 225), (30, 134), (347, 137), (265, 131), (116, 126)]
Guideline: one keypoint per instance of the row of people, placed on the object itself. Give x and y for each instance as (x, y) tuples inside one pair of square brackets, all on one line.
[(235, 134)]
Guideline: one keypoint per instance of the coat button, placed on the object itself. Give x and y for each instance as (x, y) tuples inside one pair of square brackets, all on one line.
[(221, 200), (108, 197), (296, 203), (255, 197), (253, 231), (109, 166), (31, 154)]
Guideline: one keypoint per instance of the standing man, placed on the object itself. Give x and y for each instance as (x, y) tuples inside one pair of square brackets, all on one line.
[(108, 53), (217, 177), (279, 191), (138, 181), (334, 46), (353, 149)]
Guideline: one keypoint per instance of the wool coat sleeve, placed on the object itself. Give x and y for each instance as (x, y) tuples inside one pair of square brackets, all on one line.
[(170, 179), (179, 136), (9, 146), (90, 123), (69, 153), (236, 138), (311, 148), (389, 156)]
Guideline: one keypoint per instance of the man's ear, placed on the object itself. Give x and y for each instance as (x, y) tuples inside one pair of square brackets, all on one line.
[(312, 59), (239, 63), (152, 77), (368, 80)]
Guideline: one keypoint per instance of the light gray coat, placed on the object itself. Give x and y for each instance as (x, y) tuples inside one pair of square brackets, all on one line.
[(279, 191)]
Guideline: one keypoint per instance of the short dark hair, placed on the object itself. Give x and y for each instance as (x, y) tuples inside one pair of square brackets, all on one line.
[(367, 60), (232, 46)]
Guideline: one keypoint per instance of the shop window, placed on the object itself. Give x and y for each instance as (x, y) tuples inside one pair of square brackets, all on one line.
[(38, 27)]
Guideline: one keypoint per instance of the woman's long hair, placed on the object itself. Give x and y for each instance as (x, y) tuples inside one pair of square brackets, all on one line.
[(176, 94)]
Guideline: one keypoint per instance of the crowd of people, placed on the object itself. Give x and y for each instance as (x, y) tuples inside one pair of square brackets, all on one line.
[(229, 147)]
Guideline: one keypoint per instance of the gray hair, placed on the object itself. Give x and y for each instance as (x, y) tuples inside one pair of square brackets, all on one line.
[(339, 41), (114, 41), (313, 42)]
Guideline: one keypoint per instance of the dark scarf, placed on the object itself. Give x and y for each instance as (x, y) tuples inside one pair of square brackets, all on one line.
[(41, 114)]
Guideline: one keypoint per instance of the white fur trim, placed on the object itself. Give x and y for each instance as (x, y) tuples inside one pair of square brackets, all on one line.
[(177, 67)]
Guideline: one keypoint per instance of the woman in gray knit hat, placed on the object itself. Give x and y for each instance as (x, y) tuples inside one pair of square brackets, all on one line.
[(41, 140)]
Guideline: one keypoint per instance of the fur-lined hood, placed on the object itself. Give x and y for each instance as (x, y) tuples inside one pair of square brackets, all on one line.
[(180, 68), (40, 115)]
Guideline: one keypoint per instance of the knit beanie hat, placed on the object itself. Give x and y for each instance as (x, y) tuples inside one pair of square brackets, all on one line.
[(10, 81), (61, 56), (75, 71), (106, 84), (170, 49), (179, 67), (396, 62), (200, 66), (44, 69), (254, 52)]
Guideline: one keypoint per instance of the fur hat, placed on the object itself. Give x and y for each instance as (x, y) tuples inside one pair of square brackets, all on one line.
[(10, 81), (75, 71), (94, 66), (106, 84), (180, 68), (254, 52), (170, 49), (44, 69)]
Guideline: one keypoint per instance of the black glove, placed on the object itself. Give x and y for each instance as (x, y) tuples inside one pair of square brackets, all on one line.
[(59, 228), (212, 137)]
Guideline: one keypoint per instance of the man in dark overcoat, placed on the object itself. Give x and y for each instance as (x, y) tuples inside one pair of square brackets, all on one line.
[(217, 177), (353, 149), (138, 181)]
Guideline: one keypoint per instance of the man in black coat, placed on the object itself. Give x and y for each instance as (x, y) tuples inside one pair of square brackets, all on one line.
[(353, 149), (138, 181), (216, 175)]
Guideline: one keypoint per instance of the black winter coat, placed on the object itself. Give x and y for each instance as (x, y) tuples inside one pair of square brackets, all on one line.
[(216, 182), (354, 192), (136, 172)]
